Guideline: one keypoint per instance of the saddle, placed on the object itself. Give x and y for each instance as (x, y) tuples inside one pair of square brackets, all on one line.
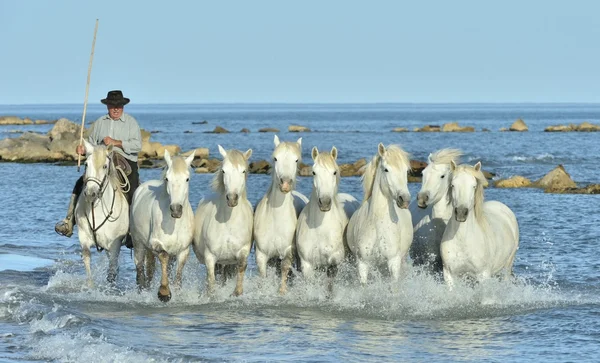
[(121, 163)]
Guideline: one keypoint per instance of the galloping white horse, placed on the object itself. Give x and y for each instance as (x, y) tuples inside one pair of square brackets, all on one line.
[(481, 239), (162, 223), (432, 209), (380, 232), (276, 214), (223, 227), (320, 233), (102, 210)]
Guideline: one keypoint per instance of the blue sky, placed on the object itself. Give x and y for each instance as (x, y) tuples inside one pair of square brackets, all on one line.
[(303, 51)]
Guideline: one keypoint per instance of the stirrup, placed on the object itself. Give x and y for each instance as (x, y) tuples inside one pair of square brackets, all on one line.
[(63, 228)]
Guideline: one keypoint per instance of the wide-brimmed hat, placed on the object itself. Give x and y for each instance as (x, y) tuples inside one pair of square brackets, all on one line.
[(115, 98)]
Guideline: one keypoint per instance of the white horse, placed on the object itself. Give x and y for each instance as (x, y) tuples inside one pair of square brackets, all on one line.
[(102, 210), (320, 233), (223, 222), (276, 214), (380, 232), (481, 239), (162, 223), (432, 209)]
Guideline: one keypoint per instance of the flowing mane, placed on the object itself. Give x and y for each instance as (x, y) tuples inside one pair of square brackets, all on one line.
[(236, 158), (394, 155), (479, 197), (445, 156)]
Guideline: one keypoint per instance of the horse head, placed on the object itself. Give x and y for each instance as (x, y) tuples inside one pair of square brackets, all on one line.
[(437, 177), (326, 177), (97, 170), (393, 167), (231, 178), (466, 190), (177, 178), (286, 157)]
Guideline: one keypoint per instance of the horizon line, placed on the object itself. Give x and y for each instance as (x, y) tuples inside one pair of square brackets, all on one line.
[(323, 103)]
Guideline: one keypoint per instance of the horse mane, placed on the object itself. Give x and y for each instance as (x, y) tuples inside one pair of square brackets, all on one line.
[(395, 154), (178, 165), (100, 154), (236, 158), (445, 156), (479, 196)]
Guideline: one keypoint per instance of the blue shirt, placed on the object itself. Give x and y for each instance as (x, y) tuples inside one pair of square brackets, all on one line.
[(125, 129)]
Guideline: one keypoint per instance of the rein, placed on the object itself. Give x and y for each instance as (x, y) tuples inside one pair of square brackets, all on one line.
[(103, 184)]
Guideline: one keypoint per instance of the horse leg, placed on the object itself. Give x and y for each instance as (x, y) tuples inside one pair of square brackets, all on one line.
[(508, 269), (172, 260), (150, 266), (331, 273), (181, 260), (286, 266), (261, 263), (164, 294), (394, 266), (209, 261), (363, 271), (241, 270), (87, 257), (139, 254), (307, 269), (113, 262), (448, 278)]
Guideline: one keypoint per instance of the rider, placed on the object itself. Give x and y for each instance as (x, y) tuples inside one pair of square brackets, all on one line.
[(123, 132)]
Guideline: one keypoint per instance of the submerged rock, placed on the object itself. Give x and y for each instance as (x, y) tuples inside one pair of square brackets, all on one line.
[(516, 181)]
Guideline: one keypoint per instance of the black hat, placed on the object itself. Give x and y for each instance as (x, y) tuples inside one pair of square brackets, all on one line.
[(115, 98)]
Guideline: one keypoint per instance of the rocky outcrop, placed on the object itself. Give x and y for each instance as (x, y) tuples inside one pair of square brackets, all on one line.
[(14, 120), (399, 129), (590, 189), (428, 128), (298, 128), (556, 179), (268, 129), (516, 181), (454, 127), (218, 130), (582, 127), (245, 130), (519, 125)]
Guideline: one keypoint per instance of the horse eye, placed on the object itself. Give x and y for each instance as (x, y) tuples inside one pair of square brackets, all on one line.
[(314, 173), (187, 180), (296, 160), (166, 179), (335, 172), (386, 170), (274, 159), (443, 176), (105, 166), (244, 171), (223, 171)]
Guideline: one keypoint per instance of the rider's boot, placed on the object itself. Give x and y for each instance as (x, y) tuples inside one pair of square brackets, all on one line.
[(65, 227)]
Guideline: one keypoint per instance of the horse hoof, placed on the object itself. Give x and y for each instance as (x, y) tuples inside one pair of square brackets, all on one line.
[(164, 298), (237, 293), (282, 291)]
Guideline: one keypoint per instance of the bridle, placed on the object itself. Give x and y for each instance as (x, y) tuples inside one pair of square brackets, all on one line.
[(102, 184)]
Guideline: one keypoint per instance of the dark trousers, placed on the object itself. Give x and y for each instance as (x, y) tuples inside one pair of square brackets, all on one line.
[(134, 182)]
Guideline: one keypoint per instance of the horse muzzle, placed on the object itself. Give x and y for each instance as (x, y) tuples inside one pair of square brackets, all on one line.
[(285, 185), (325, 204), (176, 210), (91, 195), (402, 202), (461, 213), (232, 200), (422, 199)]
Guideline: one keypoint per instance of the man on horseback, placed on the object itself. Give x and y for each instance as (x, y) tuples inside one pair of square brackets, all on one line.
[(123, 132)]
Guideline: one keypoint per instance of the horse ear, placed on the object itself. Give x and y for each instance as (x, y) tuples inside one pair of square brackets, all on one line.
[(190, 158), (276, 140), (429, 159), (381, 149), (222, 151), (315, 152), (334, 153), (89, 148), (452, 165), (167, 157), (248, 154), (478, 166), (299, 142), (109, 149)]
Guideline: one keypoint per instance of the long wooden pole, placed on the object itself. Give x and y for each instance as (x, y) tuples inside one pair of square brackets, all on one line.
[(87, 89)]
